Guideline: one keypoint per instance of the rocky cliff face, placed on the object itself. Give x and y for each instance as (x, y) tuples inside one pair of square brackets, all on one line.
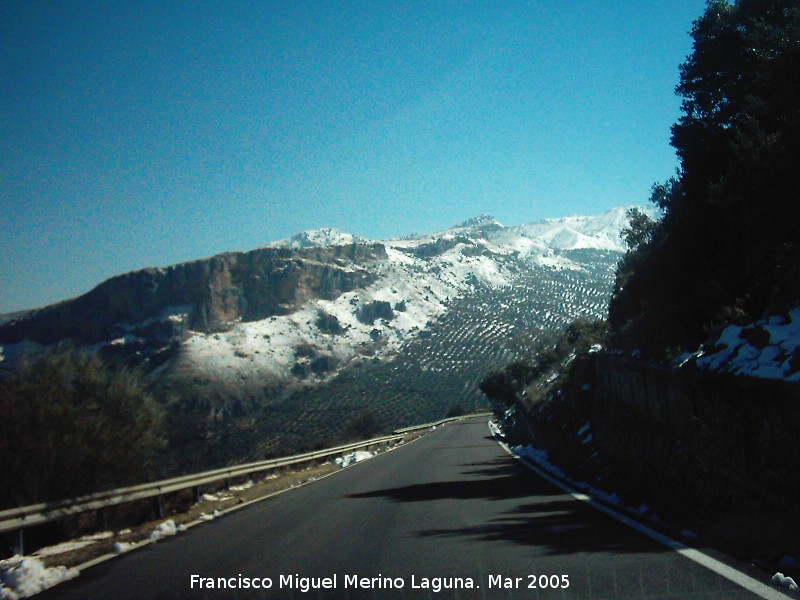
[(208, 293)]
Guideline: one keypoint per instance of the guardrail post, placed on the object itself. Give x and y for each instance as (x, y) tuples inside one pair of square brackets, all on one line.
[(20, 545), (196, 492), (158, 506)]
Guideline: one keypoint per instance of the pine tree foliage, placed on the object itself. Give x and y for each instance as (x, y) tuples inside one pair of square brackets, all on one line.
[(640, 229), (70, 426), (727, 248)]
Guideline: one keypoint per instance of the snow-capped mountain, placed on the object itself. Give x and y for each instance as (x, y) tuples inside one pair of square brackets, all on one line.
[(602, 232), (314, 238), (309, 331)]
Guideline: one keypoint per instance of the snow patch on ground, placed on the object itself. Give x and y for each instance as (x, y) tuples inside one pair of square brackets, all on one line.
[(165, 529), (24, 576), (62, 548), (353, 457), (220, 497), (787, 582), (768, 349), (68, 546), (121, 547), (96, 537), (541, 459), (244, 486)]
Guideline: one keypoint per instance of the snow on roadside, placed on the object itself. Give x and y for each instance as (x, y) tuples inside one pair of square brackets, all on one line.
[(244, 486), (68, 546), (787, 582), (165, 529), (769, 349), (353, 457), (122, 547), (24, 576), (62, 548), (541, 459), (219, 497)]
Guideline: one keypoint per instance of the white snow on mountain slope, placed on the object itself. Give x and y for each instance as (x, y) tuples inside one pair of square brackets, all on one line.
[(325, 236), (497, 239), (418, 289), (418, 278), (536, 251), (535, 239), (601, 232)]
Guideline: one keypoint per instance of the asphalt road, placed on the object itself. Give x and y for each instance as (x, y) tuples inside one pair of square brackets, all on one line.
[(451, 508)]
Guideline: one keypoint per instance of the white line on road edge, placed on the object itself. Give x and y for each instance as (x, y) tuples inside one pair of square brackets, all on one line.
[(737, 577)]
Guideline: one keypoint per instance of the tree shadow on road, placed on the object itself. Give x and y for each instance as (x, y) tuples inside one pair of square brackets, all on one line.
[(559, 525), (548, 518), (499, 480)]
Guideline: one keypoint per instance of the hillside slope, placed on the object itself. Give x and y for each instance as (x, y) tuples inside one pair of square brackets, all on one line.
[(279, 348)]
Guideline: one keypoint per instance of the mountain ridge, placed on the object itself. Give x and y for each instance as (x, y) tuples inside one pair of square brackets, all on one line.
[(162, 306), (605, 227), (543, 231), (313, 238), (284, 345)]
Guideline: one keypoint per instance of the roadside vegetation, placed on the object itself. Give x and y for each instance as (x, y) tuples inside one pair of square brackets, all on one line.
[(725, 251), (71, 424), (526, 382)]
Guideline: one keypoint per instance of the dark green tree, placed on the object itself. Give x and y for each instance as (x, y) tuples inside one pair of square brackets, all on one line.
[(71, 425), (727, 247), (640, 229), (455, 410), (361, 427), (550, 355), (505, 385)]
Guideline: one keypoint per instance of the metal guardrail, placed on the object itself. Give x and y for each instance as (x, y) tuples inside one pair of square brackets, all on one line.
[(18, 519), (440, 422)]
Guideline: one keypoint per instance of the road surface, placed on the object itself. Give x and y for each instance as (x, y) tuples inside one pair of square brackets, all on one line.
[(447, 512)]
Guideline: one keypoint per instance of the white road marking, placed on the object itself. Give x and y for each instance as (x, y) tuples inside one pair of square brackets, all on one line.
[(737, 577)]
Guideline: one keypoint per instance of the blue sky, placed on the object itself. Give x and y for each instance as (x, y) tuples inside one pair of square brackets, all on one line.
[(148, 133)]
